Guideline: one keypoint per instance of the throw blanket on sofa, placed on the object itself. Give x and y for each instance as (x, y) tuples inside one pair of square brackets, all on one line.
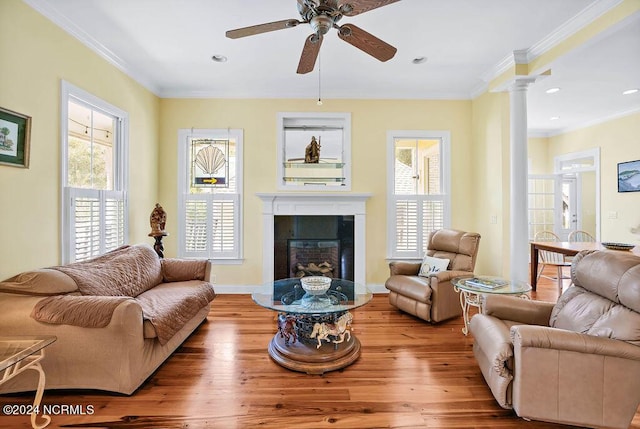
[(126, 271), (169, 306), (77, 310)]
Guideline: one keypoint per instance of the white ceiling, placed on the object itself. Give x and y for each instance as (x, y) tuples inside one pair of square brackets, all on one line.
[(167, 46)]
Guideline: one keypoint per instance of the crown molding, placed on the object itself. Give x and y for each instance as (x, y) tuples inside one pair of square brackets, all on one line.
[(48, 10), (582, 19), (180, 93), (570, 27)]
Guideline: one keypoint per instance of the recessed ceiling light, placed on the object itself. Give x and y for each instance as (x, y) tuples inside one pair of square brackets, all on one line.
[(419, 60), (219, 58), (554, 118), (552, 90), (630, 91)]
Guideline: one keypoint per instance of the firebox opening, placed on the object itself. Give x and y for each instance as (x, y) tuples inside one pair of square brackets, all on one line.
[(314, 245)]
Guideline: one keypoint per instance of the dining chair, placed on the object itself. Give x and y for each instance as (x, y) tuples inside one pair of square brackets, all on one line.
[(552, 259), (580, 236)]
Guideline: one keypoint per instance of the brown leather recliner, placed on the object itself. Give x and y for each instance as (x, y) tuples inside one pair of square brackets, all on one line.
[(433, 298), (576, 361)]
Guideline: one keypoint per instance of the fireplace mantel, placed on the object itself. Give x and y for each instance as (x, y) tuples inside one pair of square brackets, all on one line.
[(317, 204)]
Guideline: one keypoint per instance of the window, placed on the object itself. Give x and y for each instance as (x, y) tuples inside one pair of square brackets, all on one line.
[(94, 141), (210, 195), (418, 196)]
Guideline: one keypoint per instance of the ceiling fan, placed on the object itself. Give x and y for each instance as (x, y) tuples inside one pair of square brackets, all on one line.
[(323, 15)]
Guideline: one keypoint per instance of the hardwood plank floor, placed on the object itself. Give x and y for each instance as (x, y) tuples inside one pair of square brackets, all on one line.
[(411, 374)]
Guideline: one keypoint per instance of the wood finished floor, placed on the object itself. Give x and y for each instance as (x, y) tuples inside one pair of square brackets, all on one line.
[(410, 375)]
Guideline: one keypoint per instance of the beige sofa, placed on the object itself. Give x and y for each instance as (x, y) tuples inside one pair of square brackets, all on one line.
[(116, 317), (574, 362)]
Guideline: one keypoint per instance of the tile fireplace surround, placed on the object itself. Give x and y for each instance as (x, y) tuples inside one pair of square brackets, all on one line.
[(316, 204)]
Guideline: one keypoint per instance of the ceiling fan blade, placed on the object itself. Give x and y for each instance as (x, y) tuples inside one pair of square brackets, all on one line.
[(309, 54), (356, 7), (262, 28), (366, 42)]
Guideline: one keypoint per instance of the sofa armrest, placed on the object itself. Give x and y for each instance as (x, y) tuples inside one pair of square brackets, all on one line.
[(179, 270), (518, 310), (404, 268), (558, 339)]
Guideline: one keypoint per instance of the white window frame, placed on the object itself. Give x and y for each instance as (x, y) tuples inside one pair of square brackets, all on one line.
[(70, 92), (184, 135), (445, 196)]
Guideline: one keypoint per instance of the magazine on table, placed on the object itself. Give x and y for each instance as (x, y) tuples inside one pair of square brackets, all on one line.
[(486, 283)]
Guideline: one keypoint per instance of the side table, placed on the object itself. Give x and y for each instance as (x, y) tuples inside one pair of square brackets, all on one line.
[(20, 353), (472, 295)]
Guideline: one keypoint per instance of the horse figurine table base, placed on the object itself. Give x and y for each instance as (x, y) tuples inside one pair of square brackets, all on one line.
[(337, 330)]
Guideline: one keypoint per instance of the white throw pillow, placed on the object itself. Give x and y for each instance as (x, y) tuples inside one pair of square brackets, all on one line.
[(431, 265)]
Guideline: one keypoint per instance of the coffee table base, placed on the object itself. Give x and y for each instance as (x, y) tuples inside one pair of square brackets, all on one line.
[(303, 357)]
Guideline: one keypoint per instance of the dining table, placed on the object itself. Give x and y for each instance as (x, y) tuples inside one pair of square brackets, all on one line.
[(566, 248)]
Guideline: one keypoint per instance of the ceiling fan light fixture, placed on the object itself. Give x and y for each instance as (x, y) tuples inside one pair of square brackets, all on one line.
[(630, 91), (321, 24), (219, 58)]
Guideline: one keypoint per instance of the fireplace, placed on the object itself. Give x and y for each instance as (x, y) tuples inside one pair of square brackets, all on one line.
[(331, 214), (313, 245)]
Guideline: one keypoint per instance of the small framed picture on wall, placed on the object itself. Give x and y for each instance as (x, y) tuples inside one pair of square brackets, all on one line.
[(15, 130), (629, 176)]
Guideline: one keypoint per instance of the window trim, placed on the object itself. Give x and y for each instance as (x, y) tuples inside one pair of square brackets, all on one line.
[(445, 164), (70, 92), (183, 184)]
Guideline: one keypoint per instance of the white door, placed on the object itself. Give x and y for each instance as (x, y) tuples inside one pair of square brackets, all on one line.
[(569, 219)]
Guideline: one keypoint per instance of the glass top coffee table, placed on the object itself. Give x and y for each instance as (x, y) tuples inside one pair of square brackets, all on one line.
[(473, 289), (20, 353), (314, 328)]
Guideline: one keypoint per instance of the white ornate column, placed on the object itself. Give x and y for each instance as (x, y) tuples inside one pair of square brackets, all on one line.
[(519, 236)]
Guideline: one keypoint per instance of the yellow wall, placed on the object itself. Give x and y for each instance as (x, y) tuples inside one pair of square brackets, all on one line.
[(618, 142), (537, 151), (490, 185), (37, 55), (370, 121)]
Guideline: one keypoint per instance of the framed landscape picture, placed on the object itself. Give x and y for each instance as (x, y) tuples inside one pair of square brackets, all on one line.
[(629, 176), (15, 130)]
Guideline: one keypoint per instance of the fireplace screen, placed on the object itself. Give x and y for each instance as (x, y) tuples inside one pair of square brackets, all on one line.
[(314, 257)]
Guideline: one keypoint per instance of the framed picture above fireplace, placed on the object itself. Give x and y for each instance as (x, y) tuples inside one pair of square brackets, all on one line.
[(314, 151)]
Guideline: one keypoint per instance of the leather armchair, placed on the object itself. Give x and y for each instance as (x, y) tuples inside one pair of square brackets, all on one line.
[(433, 298), (573, 362)]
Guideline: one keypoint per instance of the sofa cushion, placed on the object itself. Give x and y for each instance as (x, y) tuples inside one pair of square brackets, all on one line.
[(126, 271), (39, 282), (169, 306)]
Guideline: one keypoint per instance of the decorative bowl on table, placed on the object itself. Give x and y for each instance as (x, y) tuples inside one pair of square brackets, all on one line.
[(316, 285), (618, 246)]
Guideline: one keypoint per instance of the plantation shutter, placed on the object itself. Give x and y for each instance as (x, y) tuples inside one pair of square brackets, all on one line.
[(97, 222), (211, 225)]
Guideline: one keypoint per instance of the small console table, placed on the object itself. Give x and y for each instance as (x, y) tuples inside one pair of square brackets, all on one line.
[(20, 353), (472, 295)]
